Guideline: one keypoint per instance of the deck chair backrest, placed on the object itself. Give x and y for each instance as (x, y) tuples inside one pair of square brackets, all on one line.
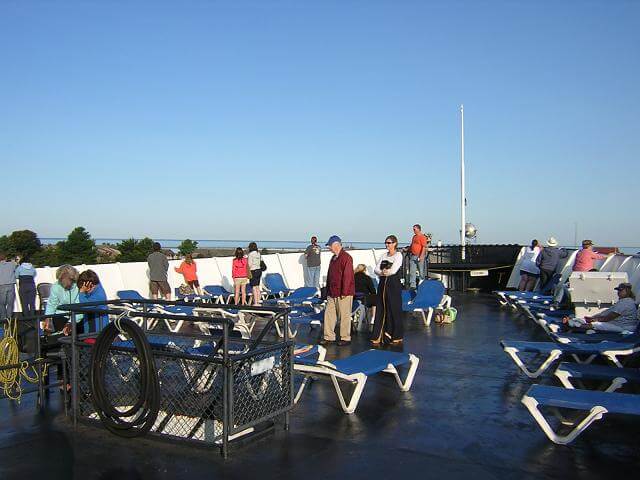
[(129, 295), (274, 282), (215, 290), (430, 292), (304, 292), (43, 289)]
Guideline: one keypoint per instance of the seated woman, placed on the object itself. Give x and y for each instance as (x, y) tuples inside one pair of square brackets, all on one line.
[(91, 291), (621, 317), (365, 291), (64, 291)]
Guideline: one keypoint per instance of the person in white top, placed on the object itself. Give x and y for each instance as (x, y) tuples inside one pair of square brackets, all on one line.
[(255, 261), (529, 270), (387, 326)]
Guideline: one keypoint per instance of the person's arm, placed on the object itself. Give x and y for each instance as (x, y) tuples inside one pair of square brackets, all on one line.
[(377, 270), (179, 269), (423, 248), (605, 316)]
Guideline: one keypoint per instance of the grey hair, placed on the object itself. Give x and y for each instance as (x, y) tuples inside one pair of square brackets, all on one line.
[(67, 270)]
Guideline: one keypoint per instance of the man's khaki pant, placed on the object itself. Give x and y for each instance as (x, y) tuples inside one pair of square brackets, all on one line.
[(338, 308)]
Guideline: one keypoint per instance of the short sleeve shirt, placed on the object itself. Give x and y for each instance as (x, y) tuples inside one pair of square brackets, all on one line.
[(626, 308), (417, 243), (313, 256)]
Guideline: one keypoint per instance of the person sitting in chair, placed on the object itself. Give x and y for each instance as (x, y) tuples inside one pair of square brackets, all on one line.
[(621, 317)]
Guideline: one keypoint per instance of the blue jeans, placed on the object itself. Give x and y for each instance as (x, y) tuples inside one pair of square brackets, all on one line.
[(312, 277), (416, 266), (7, 300)]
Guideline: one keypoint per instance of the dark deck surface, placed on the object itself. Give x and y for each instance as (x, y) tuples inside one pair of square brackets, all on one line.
[(462, 419)]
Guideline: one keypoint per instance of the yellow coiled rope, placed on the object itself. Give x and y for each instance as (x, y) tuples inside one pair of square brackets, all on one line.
[(11, 378)]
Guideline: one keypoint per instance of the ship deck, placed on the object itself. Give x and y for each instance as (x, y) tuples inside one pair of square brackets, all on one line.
[(462, 419)]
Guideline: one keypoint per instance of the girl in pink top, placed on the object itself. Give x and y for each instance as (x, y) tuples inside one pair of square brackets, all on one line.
[(240, 274)]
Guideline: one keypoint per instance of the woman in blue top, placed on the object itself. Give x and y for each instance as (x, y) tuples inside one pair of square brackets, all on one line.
[(91, 291), (26, 274)]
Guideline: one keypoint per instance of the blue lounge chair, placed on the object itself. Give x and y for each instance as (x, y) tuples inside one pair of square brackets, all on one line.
[(580, 352), (317, 319), (356, 370), (594, 402), (218, 293), (612, 377), (429, 297), (131, 296), (275, 285), (300, 296)]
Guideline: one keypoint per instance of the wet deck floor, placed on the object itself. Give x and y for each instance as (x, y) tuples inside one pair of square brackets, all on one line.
[(462, 419)]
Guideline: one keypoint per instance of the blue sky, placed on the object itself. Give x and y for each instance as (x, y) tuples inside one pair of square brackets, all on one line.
[(274, 120)]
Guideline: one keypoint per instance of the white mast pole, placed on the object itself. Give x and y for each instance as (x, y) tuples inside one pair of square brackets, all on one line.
[(463, 200)]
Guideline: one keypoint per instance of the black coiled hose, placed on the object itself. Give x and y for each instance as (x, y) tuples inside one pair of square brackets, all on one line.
[(141, 416)]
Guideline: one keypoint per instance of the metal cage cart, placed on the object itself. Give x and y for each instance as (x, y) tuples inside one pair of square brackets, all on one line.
[(213, 387)]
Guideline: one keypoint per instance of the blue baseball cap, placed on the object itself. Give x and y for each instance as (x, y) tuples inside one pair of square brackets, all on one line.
[(333, 239)]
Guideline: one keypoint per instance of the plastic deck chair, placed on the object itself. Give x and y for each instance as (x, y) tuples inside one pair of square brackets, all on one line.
[(356, 370), (580, 352), (597, 404), (275, 285), (429, 296), (43, 289), (612, 378), (218, 293), (300, 296), (130, 297)]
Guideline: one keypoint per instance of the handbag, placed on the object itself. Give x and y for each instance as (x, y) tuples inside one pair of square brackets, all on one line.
[(263, 266), (448, 315), (185, 289)]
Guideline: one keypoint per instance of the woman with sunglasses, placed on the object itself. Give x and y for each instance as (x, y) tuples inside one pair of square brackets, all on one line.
[(387, 327)]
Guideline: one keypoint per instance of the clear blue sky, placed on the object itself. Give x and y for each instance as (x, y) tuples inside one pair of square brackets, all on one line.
[(274, 119)]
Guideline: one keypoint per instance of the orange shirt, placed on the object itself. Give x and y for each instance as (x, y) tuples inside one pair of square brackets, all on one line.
[(189, 271), (417, 243)]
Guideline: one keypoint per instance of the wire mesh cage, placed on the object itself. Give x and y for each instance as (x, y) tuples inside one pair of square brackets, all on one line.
[(212, 388)]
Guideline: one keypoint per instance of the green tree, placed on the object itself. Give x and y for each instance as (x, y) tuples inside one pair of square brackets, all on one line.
[(132, 250), (187, 246), (25, 243), (78, 248), (48, 256), (5, 245)]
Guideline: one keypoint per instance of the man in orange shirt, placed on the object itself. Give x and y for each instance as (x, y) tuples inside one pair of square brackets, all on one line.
[(417, 255)]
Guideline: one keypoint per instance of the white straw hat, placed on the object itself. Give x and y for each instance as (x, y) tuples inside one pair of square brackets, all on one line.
[(552, 242)]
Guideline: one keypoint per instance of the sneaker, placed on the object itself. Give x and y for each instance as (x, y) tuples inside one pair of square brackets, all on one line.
[(344, 343), (325, 342)]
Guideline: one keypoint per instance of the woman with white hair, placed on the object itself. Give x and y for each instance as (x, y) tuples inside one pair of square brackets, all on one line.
[(63, 292)]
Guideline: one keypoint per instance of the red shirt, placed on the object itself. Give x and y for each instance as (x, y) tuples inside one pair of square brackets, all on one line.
[(585, 259), (239, 268), (340, 279)]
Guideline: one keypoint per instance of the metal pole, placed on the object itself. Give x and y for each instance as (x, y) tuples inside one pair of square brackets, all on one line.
[(74, 371), (291, 392), (226, 394), (463, 200)]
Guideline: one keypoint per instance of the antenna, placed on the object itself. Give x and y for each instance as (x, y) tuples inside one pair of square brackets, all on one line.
[(463, 199)]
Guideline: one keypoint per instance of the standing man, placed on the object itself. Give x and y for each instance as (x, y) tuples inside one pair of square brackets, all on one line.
[(340, 292), (312, 267), (417, 254), (158, 267), (548, 261), (7, 286)]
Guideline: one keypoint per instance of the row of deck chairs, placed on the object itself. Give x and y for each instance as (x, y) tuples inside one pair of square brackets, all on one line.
[(613, 351)]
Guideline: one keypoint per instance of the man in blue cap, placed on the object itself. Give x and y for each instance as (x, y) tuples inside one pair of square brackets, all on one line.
[(340, 292)]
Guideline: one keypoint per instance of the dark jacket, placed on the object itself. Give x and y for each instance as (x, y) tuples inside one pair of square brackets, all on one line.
[(340, 281), (549, 258), (363, 283)]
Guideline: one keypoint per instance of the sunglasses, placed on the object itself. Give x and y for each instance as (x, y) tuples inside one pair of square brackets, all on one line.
[(389, 243)]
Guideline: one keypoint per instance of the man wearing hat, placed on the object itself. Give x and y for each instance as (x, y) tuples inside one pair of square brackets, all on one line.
[(548, 261), (340, 291), (586, 257), (621, 317)]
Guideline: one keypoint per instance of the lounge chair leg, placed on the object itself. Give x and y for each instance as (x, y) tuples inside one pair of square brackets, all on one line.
[(596, 413), (361, 380), (553, 356), (408, 381), (305, 380)]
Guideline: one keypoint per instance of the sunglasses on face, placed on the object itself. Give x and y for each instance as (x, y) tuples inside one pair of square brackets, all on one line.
[(388, 243)]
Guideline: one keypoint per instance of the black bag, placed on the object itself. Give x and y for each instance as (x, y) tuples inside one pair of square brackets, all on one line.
[(263, 266)]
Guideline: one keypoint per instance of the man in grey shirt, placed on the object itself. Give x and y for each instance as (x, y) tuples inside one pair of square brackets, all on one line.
[(7, 286), (312, 265), (158, 267)]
